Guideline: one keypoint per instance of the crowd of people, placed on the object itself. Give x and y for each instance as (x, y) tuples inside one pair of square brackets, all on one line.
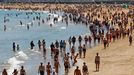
[(107, 23)]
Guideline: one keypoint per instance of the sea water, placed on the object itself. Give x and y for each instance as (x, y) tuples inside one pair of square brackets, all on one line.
[(20, 35)]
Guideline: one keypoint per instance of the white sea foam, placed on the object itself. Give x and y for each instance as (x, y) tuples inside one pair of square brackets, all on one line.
[(21, 55), (51, 22), (15, 61), (60, 18), (63, 27), (35, 50), (45, 11), (22, 25), (29, 23), (52, 17), (14, 64)]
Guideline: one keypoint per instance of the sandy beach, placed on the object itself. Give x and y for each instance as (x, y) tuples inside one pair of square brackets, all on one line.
[(115, 60)]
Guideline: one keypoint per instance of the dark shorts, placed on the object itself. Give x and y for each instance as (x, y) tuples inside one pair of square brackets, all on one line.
[(41, 72), (66, 66), (97, 62)]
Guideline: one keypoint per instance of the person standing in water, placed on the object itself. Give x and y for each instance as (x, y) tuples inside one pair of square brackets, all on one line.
[(61, 45), (52, 48), (22, 71), (15, 72), (43, 43), (39, 44), (86, 40), (77, 71), (4, 72), (18, 48), (41, 69), (69, 41), (28, 27), (80, 40), (97, 61), (32, 44), (57, 44), (21, 23), (5, 28), (73, 40), (14, 46), (44, 48)]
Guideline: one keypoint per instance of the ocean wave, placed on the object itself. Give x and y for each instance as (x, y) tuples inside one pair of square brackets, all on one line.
[(14, 62), (21, 55)]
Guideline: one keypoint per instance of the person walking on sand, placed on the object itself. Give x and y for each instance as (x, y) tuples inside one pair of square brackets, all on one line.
[(66, 66), (89, 40), (97, 61), (85, 69), (80, 50), (75, 59), (130, 40), (48, 68), (15, 72), (4, 72), (22, 71), (72, 51), (41, 69), (105, 43), (84, 51), (56, 65), (77, 71)]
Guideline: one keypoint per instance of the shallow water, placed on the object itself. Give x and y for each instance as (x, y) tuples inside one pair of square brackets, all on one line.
[(19, 34)]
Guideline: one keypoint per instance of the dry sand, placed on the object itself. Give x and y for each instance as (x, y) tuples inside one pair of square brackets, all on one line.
[(117, 59)]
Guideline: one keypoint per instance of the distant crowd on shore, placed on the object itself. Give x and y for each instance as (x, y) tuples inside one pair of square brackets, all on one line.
[(107, 24)]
